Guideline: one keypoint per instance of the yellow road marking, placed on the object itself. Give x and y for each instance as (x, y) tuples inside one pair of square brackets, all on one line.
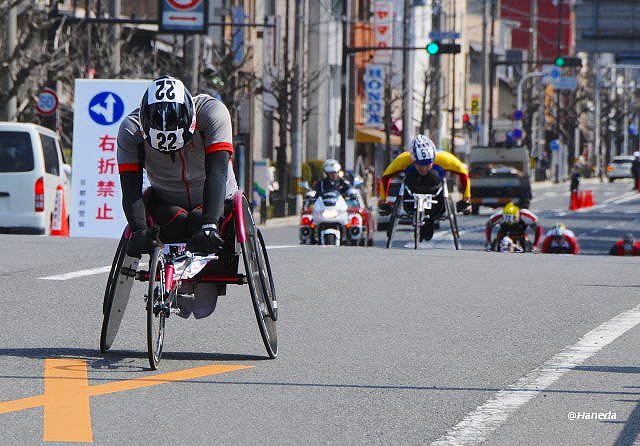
[(67, 412), (67, 415)]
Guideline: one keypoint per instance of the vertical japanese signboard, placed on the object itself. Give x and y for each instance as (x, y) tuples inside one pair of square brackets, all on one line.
[(382, 30), (183, 16), (99, 107), (374, 95)]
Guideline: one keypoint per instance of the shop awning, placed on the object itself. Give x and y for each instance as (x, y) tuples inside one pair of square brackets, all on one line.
[(366, 135)]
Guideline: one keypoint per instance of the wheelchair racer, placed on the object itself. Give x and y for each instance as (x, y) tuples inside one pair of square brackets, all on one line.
[(513, 222), (424, 170), (184, 144), (560, 240)]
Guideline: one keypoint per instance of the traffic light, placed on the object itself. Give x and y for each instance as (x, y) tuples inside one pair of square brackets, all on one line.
[(568, 62), (434, 48)]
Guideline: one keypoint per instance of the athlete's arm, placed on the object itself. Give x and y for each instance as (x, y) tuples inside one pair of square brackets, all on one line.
[(398, 165), (450, 162), (129, 143), (214, 121)]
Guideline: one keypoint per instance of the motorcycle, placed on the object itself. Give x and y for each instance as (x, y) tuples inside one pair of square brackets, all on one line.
[(334, 220)]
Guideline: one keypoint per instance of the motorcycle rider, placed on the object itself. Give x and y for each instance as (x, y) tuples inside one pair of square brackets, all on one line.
[(512, 221), (626, 247), (184, 144), (332, 180), (560, 240), (424, 168)]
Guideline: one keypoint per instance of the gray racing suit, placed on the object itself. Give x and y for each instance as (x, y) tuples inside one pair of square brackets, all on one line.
[(184, 184)]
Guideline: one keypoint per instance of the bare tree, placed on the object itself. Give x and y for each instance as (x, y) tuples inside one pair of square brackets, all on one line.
[(33, 56)]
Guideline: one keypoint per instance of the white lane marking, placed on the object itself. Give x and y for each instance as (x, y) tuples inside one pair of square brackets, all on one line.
[(478, 425), (81, 273), (105, 269)]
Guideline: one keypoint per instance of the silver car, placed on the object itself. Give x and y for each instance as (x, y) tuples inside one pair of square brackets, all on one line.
[(619, 167)]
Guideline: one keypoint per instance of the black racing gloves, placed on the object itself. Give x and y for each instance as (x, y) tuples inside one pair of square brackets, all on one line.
[(463, 207), (206, 241), (144, 241)]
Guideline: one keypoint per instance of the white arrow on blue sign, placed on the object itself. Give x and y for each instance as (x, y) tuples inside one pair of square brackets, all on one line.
[(441, 35)]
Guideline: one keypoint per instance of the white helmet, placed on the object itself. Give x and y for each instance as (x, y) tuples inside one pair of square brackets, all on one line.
[(558, 230), (423, 150), (331, 166)]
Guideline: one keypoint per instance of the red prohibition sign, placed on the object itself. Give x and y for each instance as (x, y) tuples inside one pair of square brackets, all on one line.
[(184, 4), (47, 102)]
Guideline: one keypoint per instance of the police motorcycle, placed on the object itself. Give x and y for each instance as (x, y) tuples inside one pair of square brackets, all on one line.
[(331, 219)]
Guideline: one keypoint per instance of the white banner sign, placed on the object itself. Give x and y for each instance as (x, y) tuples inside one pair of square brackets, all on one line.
[(99, 107), (382, 30), (374, 95)]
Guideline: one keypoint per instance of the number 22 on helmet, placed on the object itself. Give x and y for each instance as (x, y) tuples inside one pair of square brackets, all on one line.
[(167, 115)]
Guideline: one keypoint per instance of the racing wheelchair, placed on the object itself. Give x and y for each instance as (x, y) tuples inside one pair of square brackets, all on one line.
[(170, 269), (413, 209)]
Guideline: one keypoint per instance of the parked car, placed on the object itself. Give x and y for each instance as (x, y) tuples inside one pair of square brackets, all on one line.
[(619, 167), (32, 167)]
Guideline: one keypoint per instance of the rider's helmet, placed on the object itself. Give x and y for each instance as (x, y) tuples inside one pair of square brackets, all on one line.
[(636, 154), (167, 115), (510, 213), (331, 166), (423, 150), (558, 230)]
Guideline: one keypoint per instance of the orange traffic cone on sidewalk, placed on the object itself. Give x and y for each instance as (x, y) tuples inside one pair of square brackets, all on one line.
[(60, 219), (574, 202), (588, 199)]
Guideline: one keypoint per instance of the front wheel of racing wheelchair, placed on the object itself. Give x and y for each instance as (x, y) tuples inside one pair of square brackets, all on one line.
[(241, 237)]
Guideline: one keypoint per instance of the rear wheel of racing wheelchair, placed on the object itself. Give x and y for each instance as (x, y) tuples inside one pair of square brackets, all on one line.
[(117, 292), (453, 222), (257, 270), (157, 308), (393, 221)]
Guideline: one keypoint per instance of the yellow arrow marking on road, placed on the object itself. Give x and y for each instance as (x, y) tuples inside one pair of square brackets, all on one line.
[(67, 413)]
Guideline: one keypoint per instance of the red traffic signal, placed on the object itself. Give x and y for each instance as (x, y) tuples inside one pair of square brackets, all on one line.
[(466, 118)]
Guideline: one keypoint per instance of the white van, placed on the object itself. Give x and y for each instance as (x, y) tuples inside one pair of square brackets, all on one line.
[(31, 168)]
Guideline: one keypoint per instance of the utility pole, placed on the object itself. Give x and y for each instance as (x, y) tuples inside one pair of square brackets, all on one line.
[(492, 69), (10, 107), (407, 79), (296, 155), (346, 78), (558, 54), (116, 45), (484, 119), (435, 61), (597, 141), (625, 125), (192, 53), (452, 145)]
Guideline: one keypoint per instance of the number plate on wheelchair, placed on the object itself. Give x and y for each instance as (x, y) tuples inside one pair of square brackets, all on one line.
[(423, 202)]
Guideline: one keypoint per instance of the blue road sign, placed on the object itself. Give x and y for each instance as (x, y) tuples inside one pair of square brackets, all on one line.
[(554, 145), (441, 35), (517, 134), (106, 108), (518, 115)]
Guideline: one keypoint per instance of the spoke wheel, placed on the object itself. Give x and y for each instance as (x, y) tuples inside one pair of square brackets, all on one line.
[(157, 308), (393, 222), (453, 222), (260, 291)]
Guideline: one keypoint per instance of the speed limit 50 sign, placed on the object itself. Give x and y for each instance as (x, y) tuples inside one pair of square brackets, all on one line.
[(47, 103), (186, 16)]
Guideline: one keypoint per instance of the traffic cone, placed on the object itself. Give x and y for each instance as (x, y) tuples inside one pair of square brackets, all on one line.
[(589, 198), (60, 219), (574, 203)]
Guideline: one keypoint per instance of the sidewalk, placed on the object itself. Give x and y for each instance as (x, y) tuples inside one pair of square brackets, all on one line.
[(281, 221)]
